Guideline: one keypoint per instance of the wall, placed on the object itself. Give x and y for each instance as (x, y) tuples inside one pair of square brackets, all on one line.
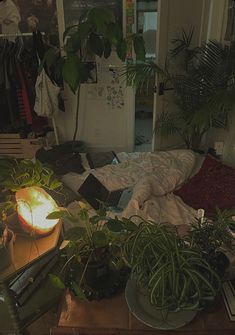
[(216, 31), (177, 15)]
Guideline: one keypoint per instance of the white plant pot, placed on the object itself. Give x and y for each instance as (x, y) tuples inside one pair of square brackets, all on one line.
[(7, 253), (140, 307)]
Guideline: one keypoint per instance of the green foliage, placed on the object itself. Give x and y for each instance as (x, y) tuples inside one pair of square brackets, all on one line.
[(57, 282), (96, 34), (204, 87), (213, 236), (92, 239), (173, 271), (139, 73), (15, 175)]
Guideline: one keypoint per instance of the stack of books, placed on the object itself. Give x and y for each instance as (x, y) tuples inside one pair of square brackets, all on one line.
[(229, 298), (24, 284)]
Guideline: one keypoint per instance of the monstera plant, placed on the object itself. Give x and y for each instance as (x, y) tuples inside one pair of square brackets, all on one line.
[(96, 34)]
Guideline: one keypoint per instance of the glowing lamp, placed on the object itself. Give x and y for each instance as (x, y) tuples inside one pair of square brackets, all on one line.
[(33, 206)]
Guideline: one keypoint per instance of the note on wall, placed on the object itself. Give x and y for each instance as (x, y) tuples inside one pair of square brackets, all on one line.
[(115, 96)]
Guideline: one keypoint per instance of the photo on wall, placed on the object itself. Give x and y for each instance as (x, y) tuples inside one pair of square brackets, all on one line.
[(20, 16)]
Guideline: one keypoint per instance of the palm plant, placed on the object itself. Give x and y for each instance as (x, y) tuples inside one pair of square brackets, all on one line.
[(204, 89)]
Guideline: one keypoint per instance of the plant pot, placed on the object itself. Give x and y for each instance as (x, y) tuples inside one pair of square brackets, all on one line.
[(97, 273), (139, 305), (6, 252)]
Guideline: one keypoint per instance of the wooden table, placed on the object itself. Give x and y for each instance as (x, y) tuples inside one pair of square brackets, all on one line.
[(112, 317)]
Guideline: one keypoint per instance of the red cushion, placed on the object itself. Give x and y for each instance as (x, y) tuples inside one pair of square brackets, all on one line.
[(213, 185)]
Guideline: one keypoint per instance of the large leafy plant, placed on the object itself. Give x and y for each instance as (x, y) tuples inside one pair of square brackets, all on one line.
[(96, 34), (204, 86), (91, 240), (173, 273)]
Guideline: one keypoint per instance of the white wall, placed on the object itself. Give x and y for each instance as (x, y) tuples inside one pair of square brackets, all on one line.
[(217, 32)]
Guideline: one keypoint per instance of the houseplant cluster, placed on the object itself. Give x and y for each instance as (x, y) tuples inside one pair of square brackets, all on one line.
[(171, 276)]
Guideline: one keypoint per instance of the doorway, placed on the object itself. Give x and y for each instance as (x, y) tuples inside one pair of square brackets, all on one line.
[(146, 21)]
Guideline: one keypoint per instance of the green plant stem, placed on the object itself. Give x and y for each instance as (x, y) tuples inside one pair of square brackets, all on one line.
[(67, 262), (76, 116), (84, 271)]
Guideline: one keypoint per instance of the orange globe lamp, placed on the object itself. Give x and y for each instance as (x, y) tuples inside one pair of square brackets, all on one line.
[(33, 206)]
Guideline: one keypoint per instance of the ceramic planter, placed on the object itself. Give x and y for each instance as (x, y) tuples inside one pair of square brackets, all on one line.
[(139, 305), (6, 252)]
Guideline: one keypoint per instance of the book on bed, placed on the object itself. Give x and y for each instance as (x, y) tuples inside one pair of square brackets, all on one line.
[(94, 192)]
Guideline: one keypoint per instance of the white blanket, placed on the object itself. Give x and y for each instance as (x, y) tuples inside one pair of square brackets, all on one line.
[(154, 177)]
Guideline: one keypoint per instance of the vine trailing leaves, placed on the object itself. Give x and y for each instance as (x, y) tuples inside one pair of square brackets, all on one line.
[(15, 175)]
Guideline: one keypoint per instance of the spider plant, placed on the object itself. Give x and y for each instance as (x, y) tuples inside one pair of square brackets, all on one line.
[(172, 271)]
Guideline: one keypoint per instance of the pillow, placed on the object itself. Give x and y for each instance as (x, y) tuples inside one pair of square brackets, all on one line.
[(100, 159), (213, 185)]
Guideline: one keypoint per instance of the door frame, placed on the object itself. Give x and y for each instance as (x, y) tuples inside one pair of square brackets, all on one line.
[(161, 52)]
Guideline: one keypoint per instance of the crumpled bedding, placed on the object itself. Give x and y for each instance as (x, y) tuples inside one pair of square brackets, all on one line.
[(154, 177)]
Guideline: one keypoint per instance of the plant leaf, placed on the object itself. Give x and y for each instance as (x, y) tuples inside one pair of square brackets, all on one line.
[(99, 239), (121, 49), (57, 215), (56, 281), (114, 225), (75, 233), (96, 44), (78, 291), (139, 47), (71, 71)]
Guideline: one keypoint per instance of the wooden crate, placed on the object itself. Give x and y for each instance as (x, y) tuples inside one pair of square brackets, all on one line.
[(13, 145)]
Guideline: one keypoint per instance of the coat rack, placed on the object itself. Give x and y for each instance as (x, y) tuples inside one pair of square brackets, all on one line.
[(27, 35), (18, 35)]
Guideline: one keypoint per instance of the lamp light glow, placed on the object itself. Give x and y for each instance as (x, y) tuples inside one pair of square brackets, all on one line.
[(33, 206)]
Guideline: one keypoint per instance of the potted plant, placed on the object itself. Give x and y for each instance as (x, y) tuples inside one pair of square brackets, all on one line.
[(170, 278), (24, 185), (213, 236), (6, 246), (203, 85), (93, 266), (97, 34)]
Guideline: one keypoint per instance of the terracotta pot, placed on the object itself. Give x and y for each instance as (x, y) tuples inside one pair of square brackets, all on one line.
[(7, 252)]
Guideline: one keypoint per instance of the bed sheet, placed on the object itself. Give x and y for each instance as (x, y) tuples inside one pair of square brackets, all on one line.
[(154, 176)]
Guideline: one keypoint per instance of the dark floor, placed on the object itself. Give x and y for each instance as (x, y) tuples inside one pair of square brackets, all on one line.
[(43, 325), (143, 134)]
